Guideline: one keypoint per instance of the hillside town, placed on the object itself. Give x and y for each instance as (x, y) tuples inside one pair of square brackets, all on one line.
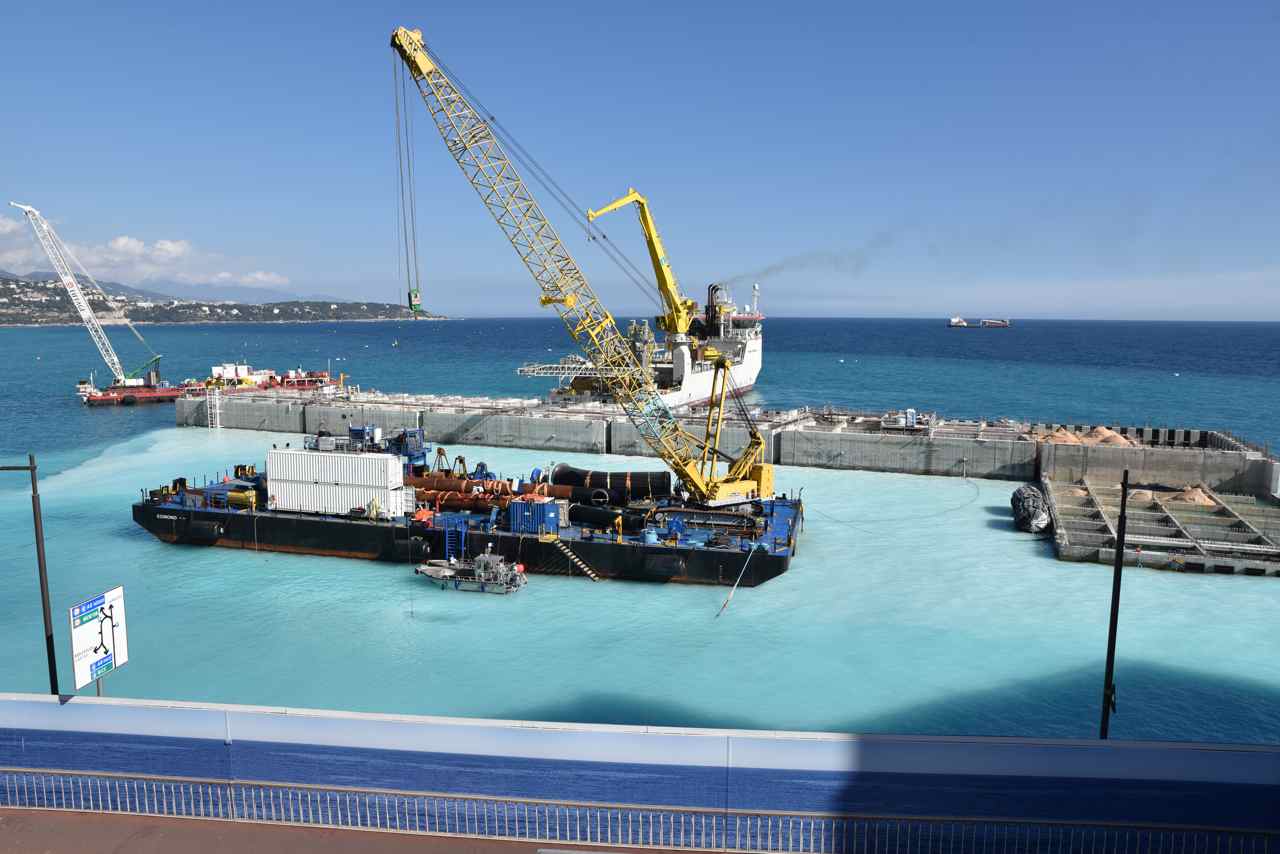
[(29, 302)]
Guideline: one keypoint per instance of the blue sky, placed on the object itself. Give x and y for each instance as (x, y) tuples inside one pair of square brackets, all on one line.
[(1097, 160)]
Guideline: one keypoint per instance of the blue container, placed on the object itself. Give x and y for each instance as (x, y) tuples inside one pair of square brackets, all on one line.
[(528, 517)]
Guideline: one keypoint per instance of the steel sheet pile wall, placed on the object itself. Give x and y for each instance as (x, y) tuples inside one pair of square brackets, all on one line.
[(335, 483), (636, 786)]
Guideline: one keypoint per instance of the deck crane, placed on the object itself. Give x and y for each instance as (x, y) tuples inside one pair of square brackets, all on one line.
[(679, 310), (62, 259), (484, 162)]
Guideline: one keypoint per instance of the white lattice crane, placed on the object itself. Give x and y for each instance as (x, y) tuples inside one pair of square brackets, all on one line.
[(62, 259)]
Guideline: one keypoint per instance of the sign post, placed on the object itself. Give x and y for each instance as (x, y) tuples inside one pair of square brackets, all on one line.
[(99, 640), (44, 574)]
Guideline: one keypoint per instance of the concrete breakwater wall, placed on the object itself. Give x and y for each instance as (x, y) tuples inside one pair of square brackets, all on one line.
[(1220, 462)]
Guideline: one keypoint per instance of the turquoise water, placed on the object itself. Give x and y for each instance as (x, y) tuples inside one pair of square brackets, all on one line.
[(912, 607)]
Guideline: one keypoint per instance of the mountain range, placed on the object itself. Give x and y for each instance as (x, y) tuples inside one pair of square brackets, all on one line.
[(163, 291)]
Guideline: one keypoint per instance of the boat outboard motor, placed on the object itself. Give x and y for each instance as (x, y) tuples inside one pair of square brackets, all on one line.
[(1030, 510)]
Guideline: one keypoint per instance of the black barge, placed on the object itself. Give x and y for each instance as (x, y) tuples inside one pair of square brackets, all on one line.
[(681, 545)]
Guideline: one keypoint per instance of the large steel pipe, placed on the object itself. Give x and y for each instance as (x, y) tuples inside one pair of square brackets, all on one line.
[(635, 484), (451, 500), (580, 494), (457, 484), (604, 518)]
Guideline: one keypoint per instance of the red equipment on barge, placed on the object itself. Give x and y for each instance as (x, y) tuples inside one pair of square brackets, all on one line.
[(228, 378)]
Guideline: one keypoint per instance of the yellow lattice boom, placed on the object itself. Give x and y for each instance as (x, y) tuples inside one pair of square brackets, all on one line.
[(489, 170)]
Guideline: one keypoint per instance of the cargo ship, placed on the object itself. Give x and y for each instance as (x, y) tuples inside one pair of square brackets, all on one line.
[(360, 496), (682, 365), (229, 378)]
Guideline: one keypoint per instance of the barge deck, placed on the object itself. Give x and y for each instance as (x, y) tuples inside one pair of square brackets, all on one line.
[(695, 556)]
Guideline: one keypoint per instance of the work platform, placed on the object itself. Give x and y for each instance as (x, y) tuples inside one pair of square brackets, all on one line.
[(1194, 529)]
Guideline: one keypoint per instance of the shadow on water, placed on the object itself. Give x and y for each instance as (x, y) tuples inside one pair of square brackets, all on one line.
[(1001, 510), (1155, 702), (1005, 524)]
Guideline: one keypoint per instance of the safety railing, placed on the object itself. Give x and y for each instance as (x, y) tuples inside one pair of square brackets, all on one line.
[(700, 829)]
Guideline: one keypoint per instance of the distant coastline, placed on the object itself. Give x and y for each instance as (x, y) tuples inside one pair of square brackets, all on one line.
[(221, 322)]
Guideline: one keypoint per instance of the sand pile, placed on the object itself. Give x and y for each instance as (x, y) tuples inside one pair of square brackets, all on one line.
[(1144, 496), (1105, 436), (1063, 436), (1078, 492), (1194, 495)]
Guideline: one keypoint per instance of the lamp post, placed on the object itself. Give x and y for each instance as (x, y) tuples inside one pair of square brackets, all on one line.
[(1108, 682), (44, 573)]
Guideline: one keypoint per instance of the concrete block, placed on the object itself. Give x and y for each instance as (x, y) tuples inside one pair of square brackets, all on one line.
[(908, 454), (277, 416), (517, 431), (190, 412)]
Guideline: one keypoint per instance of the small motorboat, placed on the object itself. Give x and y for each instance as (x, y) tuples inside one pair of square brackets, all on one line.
[(486, 573)]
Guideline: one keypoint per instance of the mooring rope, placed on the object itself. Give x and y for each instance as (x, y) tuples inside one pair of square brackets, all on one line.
[(736, 583)]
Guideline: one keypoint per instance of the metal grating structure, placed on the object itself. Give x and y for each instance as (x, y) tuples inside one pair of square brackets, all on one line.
[(688, 828)]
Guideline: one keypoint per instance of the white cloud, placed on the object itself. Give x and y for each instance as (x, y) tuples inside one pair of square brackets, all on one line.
[(261, 277), (132, 260), (170, 250), (126, 245)]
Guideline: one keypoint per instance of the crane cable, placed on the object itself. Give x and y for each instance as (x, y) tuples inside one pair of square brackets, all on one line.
[(407, 206), (594, 234), (93, 283)]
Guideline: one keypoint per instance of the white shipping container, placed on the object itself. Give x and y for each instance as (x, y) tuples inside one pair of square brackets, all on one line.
[(337, 500), (385, 471)]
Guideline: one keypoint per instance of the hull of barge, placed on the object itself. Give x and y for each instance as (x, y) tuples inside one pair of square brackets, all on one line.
[(300, 533)]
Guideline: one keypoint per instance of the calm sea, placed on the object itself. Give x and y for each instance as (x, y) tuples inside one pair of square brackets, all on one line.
[(913, 606), (1220, 375)]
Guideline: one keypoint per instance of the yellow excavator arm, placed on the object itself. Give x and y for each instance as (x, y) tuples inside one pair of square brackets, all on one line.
[(679, 310)]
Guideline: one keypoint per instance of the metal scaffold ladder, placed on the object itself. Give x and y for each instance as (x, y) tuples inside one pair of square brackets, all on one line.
[(214, 399), (577, 561)]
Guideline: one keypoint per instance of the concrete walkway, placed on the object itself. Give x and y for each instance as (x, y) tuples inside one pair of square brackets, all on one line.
[(27, 831)]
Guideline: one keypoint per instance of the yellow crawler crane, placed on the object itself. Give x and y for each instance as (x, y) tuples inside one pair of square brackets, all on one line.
[(486, 166)]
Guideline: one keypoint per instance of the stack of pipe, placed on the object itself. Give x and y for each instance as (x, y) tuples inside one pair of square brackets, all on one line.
[(580, 494), (439, 499), (632, 484), (458, 484)]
